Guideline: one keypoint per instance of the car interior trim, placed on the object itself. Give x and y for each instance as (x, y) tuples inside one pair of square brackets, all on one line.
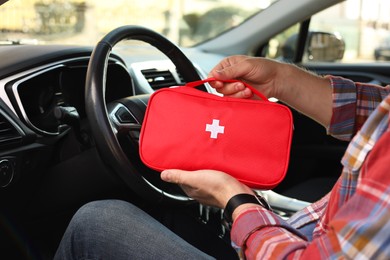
[(49, 66), (15, 91), (30, 74)]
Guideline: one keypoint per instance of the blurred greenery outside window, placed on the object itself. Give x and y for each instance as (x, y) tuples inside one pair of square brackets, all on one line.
[(185, 22)]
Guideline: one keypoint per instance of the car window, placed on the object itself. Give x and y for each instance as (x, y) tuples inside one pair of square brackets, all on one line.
[(184, 22), (353, 31), (283, 45)]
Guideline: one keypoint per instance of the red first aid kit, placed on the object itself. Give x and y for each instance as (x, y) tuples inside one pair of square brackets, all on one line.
[(189, 129)]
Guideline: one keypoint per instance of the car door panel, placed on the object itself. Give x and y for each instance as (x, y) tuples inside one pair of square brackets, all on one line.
[(376, 73)]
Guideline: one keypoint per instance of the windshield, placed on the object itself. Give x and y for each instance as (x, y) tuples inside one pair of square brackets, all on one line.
[(185, 22)]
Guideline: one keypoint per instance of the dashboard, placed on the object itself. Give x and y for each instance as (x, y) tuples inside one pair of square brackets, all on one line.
[(42, 90), (36, 93), (38, 97)]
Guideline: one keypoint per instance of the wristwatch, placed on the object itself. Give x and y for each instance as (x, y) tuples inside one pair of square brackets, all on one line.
[(238, 200)]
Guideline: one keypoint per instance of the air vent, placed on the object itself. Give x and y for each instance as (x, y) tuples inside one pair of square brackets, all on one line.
[(8, 133), (181, 79), (159, 78)]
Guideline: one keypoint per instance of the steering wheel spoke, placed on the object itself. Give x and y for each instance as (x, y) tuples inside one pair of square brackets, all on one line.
[(123, 121)]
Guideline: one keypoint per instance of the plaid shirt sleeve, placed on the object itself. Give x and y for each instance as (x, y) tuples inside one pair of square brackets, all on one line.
[(352, 104), (341, 230)]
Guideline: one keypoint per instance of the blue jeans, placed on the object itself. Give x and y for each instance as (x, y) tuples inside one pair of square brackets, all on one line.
[(114, 229)]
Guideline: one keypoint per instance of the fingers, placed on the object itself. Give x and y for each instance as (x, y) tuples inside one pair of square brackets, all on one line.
[(173, 176), (169, 176), (228, 88), (237, 92), (237, 89), (194, 179), (232, 68), (197, 179), (208, 187)]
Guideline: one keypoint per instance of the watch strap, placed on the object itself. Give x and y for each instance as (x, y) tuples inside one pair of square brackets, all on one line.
[(240, 199)]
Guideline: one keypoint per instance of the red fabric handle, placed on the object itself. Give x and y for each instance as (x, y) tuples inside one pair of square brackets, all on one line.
[(200, 82)]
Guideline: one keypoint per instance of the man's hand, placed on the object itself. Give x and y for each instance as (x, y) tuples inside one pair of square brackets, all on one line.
[(307, 92), (213, 188), (260, 73)]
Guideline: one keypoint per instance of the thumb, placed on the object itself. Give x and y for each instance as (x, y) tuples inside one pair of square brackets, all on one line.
[(173, 176), (225, 74), (232, 69)]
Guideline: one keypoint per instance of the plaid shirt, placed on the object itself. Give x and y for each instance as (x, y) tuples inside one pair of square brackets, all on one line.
[(353, 220)]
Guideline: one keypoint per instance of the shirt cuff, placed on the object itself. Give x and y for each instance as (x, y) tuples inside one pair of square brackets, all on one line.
[(342, 124), (254, 219)]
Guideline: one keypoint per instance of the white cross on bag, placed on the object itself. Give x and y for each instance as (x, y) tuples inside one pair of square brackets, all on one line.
[(215, 129)]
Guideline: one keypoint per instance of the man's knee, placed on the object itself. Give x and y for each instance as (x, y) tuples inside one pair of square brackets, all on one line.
[(95, 215)]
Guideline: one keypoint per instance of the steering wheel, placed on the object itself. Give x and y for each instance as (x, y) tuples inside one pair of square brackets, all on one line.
[(115, 126)]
